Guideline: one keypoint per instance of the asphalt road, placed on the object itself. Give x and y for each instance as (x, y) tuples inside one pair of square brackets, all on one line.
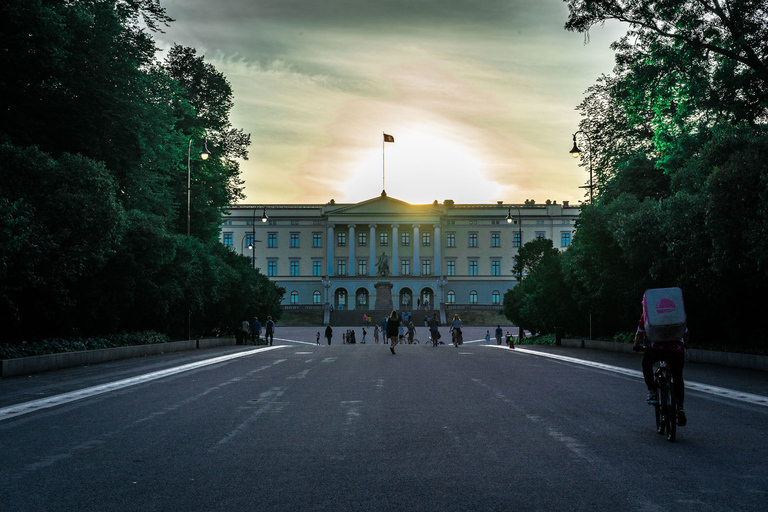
[(353, 427)]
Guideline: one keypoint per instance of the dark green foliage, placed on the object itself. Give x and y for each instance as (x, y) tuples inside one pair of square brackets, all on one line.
[(543, 300), (58, 345), (95, 138), (679, 145)]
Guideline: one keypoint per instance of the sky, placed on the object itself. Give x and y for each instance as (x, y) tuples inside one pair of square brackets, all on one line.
[(479, 95)]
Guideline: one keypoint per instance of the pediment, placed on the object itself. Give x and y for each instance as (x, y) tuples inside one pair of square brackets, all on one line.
[(386, 206)]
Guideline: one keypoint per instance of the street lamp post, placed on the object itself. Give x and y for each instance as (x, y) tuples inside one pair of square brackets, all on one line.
[(575, 151), (252, 245), (519, 229), (204, 154)]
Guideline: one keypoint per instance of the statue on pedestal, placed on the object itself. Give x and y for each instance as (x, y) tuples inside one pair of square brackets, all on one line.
[(382, 266)]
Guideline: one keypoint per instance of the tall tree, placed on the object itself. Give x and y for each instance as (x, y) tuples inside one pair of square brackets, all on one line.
[(203, 103)]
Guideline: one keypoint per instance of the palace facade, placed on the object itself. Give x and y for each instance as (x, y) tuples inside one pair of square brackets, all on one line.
[(454, 254)]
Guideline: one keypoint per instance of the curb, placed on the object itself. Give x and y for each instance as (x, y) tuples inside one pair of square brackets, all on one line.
[(732, 359)]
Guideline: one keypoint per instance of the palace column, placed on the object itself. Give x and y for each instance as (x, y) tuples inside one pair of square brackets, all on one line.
[(331, 241), (416, 244), (372, 242), (393, 269), (351, 271), (438, 244)]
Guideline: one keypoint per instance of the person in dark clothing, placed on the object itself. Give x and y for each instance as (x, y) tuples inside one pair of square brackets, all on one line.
[(393, 330), (328, 333), (269, 331)]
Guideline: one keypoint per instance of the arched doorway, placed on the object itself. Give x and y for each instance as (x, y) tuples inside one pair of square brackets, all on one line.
[(427, 298), (361, 299), (340, 299), (406, 299)]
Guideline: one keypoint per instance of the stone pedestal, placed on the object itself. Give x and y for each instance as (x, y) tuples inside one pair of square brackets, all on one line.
[(383, 296)]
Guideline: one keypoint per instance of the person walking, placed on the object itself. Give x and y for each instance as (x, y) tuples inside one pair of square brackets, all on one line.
[(487, 337), (433, 332), (393, 325), (269, 331), (364, 333), (411, 332), (256, 331), (318, 337), (499, 334), (245, 333), (328, 333), (376, 333), (384, 329)]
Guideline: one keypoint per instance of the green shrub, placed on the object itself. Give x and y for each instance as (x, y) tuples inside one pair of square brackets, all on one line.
[(59, 345), (543, 339)]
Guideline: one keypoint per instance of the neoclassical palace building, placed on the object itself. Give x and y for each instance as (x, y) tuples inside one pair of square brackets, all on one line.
[(332, 254)]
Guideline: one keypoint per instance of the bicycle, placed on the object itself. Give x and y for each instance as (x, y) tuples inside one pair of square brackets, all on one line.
[(456, 337), (666, 407)]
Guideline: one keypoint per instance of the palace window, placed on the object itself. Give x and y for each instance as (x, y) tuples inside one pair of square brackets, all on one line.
[(294, 268), (495, 268), (473, 267), (317, 298), (362, 239), (565, 238), (473, 239), (426, 239), (294, 240), (272, 268), (450, 267), (317, 268), (294, 297), (341, 239), (451, 297), (272, 240), (495, 239), (405, 239), (317, 239), (227, 239), (383, 239)]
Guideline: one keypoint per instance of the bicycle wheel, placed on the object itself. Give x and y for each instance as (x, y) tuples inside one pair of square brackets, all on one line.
[(659, 407), (659, 423), (671, 411)]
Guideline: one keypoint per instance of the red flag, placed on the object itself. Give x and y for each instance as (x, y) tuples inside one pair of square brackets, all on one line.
[(388, 138)]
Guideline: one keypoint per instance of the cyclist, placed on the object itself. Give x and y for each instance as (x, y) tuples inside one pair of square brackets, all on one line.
[(456, 330), (671, 351)]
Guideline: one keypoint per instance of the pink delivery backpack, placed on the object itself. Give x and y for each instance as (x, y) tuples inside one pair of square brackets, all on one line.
[(664, 314)]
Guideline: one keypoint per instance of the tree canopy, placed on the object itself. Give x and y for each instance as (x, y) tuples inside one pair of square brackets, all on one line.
[(96, 133), (678, 143)]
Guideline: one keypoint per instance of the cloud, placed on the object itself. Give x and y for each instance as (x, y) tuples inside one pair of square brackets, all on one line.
[(487, 88)]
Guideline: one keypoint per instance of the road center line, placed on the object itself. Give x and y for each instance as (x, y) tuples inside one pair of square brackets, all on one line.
[(53, 401), (689, 385)]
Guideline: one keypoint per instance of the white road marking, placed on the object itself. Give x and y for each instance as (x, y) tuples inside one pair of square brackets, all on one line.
[(689, 385), (53, 401)]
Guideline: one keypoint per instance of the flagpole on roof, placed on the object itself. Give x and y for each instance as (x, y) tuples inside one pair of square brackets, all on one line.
[(386, 138)]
